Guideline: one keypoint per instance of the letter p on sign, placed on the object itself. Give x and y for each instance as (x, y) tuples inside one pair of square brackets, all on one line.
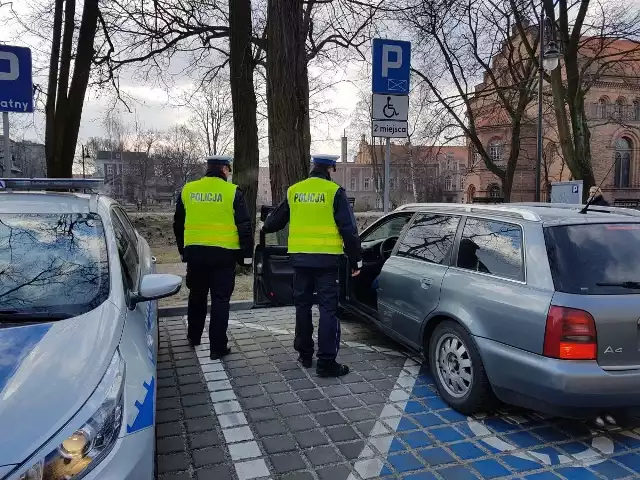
[(387, 63), (14, 66)]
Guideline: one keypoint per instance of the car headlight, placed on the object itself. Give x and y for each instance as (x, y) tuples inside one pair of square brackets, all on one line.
[(81, 452)]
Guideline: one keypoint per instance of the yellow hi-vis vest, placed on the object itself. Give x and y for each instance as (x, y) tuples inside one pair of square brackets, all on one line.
[(210, 220), (312, 227)]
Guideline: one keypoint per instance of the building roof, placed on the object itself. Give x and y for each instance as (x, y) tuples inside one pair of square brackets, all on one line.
[(402, 153), (124, 156)]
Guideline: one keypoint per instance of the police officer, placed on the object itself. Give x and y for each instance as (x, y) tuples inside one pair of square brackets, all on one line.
[(213, 231), (321, 228)]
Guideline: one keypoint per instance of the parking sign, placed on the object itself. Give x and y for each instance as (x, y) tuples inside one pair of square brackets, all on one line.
[(391, 66), (16, 84)]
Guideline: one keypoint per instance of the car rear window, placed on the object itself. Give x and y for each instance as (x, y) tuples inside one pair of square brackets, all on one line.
[(52, 263), (583, 256)]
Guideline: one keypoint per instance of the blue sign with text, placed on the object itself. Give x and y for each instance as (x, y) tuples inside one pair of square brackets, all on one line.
[(16, 82), (391, 69)]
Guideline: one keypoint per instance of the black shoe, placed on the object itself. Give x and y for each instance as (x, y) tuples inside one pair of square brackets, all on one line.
[(331, 369), (220, 354), (193, 343), (306, 360)]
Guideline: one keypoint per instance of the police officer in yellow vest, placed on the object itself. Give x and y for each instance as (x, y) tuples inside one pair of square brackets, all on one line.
[(213, 231), (321, 228)]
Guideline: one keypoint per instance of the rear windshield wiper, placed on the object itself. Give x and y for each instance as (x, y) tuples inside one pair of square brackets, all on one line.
[(619, 284)]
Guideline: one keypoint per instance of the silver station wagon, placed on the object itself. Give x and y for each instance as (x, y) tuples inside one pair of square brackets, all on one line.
[(537, 305)]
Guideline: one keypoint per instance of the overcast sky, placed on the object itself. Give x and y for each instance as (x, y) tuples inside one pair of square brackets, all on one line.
[(154, 104)]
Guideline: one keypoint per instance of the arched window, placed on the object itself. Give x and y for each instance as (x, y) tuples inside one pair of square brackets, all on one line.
[(636, 110), (622, 159), (602, 108), (618, 109), (494, 191), (495, 151), (471, 193)]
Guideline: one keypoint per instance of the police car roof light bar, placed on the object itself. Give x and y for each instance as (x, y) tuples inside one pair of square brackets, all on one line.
[(52, 184)]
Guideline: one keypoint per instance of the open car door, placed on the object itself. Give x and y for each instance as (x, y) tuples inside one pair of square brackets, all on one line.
[(272, 270)]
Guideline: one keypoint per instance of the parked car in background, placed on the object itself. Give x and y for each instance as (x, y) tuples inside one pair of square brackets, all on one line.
[(78, 336), (536, 305)]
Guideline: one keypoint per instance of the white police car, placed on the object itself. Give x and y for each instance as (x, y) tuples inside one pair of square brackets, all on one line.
[(78, 336)]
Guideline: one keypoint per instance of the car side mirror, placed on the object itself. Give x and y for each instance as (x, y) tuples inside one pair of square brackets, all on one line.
[(155, 286), (265, 210)]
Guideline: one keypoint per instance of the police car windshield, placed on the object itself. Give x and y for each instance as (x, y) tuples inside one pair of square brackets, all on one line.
[(51, 265)]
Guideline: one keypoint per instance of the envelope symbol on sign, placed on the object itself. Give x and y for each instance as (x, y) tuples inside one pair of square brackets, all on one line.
[(397, 85)]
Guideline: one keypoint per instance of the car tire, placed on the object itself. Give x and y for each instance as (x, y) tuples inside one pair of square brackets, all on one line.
[(461, 379)]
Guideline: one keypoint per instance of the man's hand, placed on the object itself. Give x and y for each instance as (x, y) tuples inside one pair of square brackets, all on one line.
[(355, 273)]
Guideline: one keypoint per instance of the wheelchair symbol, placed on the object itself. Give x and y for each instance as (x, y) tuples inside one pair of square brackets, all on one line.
[(389, 110)]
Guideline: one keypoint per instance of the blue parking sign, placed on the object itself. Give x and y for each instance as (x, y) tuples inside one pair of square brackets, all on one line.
[(16, 83), (391, 67)]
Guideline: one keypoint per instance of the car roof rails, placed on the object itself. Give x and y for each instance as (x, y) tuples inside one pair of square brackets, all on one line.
[(511, 211), (629, 212)]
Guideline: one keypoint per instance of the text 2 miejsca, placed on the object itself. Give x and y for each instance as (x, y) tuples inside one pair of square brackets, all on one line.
[(389, 129)]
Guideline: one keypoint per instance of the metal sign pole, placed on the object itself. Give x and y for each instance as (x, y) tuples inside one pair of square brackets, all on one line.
[(7, 145), (387, 174)]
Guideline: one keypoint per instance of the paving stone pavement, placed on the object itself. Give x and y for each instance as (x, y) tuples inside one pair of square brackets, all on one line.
[(259, 415)]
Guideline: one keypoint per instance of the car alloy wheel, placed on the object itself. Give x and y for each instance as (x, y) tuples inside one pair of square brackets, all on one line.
[(454, 366)]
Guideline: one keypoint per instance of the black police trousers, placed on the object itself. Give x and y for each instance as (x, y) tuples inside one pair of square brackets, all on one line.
[(326, 283), (219, 279)]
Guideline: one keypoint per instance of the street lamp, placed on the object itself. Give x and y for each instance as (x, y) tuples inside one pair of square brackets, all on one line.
[(549, 59)]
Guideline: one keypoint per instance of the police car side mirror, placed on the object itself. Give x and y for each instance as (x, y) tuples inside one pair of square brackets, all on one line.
[(155, 286), (265, 210)]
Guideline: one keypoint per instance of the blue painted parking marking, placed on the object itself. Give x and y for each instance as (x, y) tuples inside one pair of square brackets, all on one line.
[(433, 441)]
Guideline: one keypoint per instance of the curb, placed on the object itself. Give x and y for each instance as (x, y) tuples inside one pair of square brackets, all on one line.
[(179, 310)]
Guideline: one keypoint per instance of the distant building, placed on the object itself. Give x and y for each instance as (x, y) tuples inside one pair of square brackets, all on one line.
[(136, 177), (612, 108), (28, 159), (418, 174)]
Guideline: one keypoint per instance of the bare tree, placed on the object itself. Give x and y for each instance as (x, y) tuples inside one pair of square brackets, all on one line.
[(596, 39), (243, 61), (475, 68), (213, 115), (140, 168), (178, 158), (298, 33), (66, 85)]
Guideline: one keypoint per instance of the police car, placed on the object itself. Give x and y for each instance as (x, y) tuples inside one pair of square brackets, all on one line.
[(78, 335)]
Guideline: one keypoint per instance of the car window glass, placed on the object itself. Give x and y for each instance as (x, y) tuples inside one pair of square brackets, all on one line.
[(429, 238), (491, 247), (279, 238), (595, 259), (53, 263), (391, 228), (128, 226), (127, 253)]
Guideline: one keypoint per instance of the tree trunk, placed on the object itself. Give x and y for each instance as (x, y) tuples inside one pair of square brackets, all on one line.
[(50, 108), (243, 97), (287, 97), (78, 88), (582, 146)]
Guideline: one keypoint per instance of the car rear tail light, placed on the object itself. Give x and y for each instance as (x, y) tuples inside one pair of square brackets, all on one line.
[(570, 334)]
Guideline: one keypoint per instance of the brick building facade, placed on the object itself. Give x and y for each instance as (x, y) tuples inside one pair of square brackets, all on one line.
[(613, 111)]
